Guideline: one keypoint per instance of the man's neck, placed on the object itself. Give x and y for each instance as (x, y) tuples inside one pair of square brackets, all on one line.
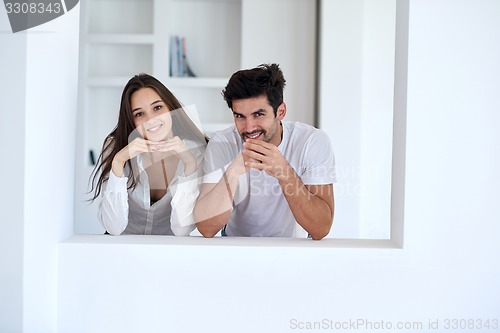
[(278, 137)]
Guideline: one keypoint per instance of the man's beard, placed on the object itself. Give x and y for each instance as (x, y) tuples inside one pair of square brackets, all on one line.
[(265, 135)]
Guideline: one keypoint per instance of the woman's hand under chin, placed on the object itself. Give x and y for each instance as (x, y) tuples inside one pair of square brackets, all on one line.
[(178, 147), (133, 149)]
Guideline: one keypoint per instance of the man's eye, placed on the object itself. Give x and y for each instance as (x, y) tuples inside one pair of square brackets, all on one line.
[(259, 114), (238, 116)]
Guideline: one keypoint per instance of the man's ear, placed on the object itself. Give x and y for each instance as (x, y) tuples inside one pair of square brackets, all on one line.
[(281, 112)]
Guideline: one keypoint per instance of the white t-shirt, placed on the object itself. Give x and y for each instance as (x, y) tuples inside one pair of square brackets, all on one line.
[(260, 207), (123, 211)]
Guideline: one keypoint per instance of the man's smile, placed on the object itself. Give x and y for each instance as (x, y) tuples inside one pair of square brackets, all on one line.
[(252, 135)]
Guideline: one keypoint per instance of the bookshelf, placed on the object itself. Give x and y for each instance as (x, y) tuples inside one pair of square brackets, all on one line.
[(120, 38)]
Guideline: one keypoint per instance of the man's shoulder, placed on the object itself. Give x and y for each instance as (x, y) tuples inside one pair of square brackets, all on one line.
[(300, 127), (226, 141), (226, 134), (303, 131)]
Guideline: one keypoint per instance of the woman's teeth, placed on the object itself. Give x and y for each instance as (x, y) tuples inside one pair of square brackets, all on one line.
[(154, 129)]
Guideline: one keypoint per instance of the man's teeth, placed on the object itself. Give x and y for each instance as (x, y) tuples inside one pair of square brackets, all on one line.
[(253, 136)]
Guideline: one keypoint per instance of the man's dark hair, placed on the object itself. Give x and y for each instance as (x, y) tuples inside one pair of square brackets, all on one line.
[(266, 79)]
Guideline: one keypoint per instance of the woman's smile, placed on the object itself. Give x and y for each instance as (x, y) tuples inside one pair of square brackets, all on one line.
[(155, 128)]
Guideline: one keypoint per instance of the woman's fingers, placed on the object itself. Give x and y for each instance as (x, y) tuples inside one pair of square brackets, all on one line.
[(174, 144), (140, 145)]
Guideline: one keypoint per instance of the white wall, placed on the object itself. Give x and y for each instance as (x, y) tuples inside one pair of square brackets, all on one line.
[(356, 94), (49, 169), (448, 267), (291, 21), (12, 143), (38, 108)]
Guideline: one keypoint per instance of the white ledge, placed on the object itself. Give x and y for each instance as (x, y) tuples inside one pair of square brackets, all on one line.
[(232, 241)]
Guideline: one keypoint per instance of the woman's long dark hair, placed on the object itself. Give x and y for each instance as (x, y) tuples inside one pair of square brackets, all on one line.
[(119, 137)]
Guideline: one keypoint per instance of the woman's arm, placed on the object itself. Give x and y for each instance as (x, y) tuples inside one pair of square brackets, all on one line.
[(113, 208), (183, 201), (188, 188)]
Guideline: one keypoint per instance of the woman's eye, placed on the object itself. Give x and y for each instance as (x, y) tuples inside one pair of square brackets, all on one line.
[(138, 114), (158, 107)]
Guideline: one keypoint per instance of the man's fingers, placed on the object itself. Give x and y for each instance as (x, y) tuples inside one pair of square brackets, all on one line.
[(259, 143), (252, 155), (258, 146), (255, 165)]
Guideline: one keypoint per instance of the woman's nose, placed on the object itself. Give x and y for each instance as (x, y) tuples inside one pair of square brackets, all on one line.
[(151, 118)]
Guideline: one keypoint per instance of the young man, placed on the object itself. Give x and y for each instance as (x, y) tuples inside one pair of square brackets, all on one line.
[(263, 176)]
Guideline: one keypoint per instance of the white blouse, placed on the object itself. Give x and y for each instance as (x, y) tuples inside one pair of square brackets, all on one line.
[(123, 211)]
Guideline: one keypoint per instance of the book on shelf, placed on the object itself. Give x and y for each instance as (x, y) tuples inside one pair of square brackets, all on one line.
[(179, 65)]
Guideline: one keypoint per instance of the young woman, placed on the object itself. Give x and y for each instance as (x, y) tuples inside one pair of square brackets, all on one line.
[(149, 169)]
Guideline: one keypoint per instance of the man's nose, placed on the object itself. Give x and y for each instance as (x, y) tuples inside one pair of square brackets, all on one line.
[(250, 125)]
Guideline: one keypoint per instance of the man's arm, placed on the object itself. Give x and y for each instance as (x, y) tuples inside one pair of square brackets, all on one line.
[(215, 202), (311, 205)]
